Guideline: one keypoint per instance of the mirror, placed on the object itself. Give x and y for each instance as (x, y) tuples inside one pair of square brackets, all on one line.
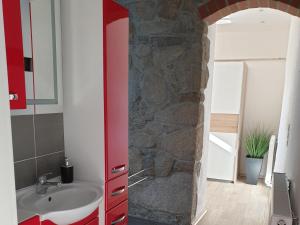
[(40, 51)]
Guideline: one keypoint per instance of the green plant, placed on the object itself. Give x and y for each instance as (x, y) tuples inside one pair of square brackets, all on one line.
[(257, 143)]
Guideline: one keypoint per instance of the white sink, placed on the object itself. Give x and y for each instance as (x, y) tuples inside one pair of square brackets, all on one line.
[(63, 205)]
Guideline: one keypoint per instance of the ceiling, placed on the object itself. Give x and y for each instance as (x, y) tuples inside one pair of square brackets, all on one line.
[(266, 16)]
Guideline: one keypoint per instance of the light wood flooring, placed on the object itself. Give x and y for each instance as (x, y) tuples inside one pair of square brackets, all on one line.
[(236, 204)]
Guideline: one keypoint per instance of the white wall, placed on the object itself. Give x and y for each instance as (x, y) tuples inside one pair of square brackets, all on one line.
[(202, 182), (264, 91), (290, 116), (8, 208), (263, 48), (251, 41), (83, 88), (290, 92)]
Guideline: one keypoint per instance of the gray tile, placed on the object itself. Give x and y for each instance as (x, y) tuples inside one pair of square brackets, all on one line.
[(23, 137), (50, 164), (49, 133), (138, 221), (25, 174)]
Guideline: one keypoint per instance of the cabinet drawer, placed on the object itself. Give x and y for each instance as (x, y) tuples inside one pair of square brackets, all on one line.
[(116, 191), (118, 215), (94, 222)]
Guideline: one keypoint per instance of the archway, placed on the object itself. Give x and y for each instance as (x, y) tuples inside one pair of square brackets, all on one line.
[(213, 10), (169, 52)]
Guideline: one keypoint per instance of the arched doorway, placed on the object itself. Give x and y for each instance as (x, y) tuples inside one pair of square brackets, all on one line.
[(213, 10), (169, 53)]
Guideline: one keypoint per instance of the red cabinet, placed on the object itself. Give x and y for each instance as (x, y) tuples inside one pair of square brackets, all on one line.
[(92, 219), (33, 221), (118, 215), (89, 220), (116, 191), (116, 43), (116, 30), (14, 53), (94, 222)]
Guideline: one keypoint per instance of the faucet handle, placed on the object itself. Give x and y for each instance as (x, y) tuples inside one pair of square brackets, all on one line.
[(43, 178)]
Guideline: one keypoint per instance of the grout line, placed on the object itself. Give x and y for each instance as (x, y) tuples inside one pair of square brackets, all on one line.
[(23, 160), (53, 153)]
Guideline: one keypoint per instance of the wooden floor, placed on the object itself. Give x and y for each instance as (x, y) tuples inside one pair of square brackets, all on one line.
[(236, 204)]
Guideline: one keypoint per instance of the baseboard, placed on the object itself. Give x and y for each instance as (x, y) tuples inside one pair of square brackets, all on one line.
[(220, 180), (261, 176), (200, 218)]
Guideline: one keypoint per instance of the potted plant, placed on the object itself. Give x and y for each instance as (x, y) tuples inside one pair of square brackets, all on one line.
[(256, 145)]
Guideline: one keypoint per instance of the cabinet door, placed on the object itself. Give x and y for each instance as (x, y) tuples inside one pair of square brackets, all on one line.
[(89, 219), (118, 215), (94, 222), (14, 53), (116, 191), (116, 30), (33, 221)]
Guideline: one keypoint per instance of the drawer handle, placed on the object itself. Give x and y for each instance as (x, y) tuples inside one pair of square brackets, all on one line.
[(13, 97), (118, 192), (121, 219), (118, 169)]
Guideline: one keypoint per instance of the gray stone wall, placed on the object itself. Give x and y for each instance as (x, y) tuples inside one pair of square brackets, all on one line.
[(168, 73)]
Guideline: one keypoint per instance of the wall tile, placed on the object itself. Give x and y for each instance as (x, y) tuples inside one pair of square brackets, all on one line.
[(25, 173), (50, 164), (49, 133), (23, 137), (38, 146)]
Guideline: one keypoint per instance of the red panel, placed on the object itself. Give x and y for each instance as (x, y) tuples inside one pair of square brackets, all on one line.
[(85, 221), (47, 222), (94, 222), (116, 191), (14, 52), (118, 215), (116, 31), (33, 221)]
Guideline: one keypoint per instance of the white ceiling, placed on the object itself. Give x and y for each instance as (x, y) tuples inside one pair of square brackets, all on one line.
[(259, 16)]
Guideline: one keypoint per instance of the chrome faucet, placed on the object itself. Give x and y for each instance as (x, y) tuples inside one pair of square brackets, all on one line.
[(43, 184)]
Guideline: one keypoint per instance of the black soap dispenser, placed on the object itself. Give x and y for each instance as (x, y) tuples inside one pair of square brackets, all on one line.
[(66, 172)]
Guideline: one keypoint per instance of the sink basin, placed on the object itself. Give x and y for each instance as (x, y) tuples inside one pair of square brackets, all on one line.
[(63, 205)]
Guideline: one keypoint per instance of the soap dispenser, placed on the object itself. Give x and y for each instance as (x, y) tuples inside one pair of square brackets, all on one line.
[(66, 172)]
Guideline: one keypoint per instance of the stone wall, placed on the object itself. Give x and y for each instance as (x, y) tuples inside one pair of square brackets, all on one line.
[(168, 74)]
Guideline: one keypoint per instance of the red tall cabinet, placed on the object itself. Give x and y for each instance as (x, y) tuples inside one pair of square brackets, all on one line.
[(116, 35), (14, 53)]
